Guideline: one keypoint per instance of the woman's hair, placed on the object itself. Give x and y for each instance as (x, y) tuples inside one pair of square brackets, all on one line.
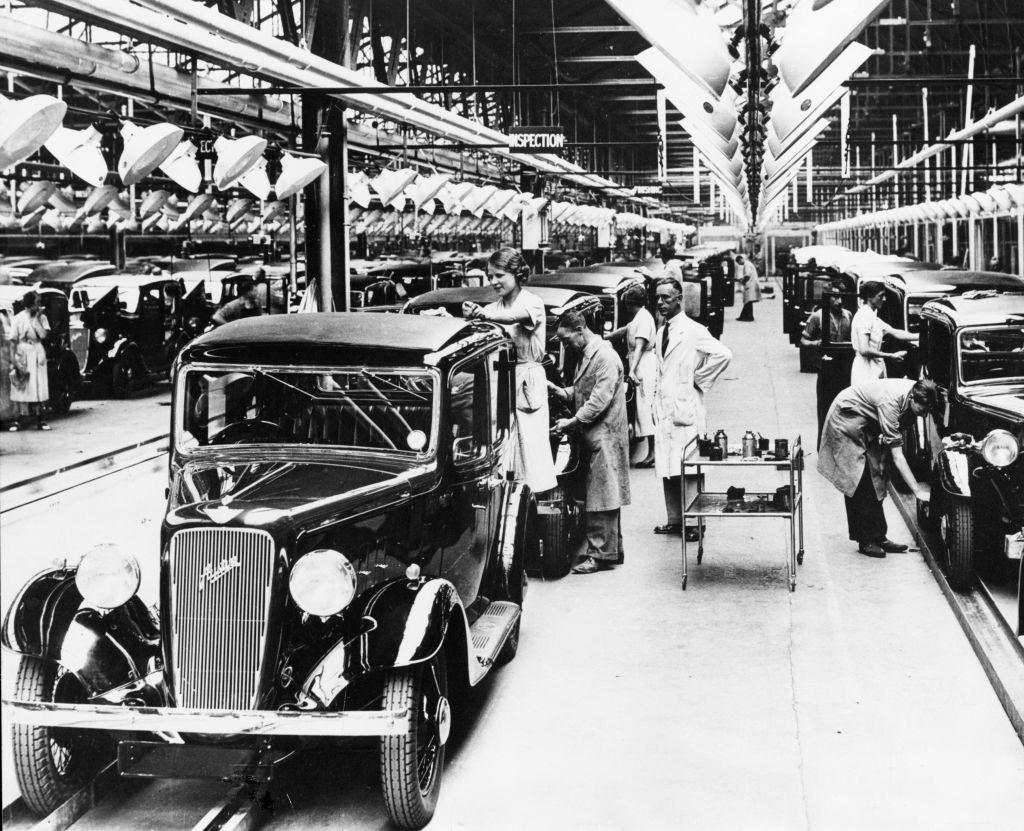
[(869, 288), (636, 296), (28, 299), (927, 393), (510, 260)]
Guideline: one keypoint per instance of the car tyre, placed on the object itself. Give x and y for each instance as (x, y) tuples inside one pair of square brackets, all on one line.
[(555, 528), (52, 763), (958, 535), (124, 375), (63, 386), (412, 765)]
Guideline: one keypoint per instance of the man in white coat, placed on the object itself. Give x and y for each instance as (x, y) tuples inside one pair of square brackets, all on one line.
[(690, 359)]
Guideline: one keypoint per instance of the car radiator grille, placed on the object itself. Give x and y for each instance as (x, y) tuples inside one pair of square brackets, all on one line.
[(220, 596)]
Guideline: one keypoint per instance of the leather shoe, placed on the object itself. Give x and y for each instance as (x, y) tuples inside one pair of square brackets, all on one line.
[(891, 547), (871, 549), (669, 528), (588, 565), (693, 533), (645, 463)]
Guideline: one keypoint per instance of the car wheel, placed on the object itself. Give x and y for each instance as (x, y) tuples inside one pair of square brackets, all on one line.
[(555, 528), (957, 527), (124, 375), (411, 765), (62, 388), (52, 763)]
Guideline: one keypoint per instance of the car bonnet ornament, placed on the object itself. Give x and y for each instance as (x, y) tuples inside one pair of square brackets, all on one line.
[(221, 513)]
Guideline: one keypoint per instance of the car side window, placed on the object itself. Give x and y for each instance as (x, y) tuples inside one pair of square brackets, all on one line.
[(469, 411), (940, 352)]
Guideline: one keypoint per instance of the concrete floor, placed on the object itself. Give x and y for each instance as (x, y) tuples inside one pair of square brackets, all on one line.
[(854, 703)]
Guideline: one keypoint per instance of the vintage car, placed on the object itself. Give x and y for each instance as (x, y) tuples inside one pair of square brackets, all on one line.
[(137, 324), (342, 552), (63, 274), (560, 510), (62, 368), (808, 294), (608, 285), (972, 346), (273, 291)]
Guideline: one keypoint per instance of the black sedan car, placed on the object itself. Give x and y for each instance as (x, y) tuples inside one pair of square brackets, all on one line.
[(973, 347), (342, 551)]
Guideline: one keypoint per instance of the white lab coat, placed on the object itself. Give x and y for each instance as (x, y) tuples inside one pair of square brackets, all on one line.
[(686, 371)]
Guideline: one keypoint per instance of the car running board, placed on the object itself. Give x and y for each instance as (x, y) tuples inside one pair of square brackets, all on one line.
[(489, 632)]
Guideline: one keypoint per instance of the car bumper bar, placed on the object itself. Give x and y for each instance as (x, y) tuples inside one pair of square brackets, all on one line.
[(217, 722)]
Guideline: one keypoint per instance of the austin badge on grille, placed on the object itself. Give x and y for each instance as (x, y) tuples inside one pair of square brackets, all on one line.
[(212, 573)]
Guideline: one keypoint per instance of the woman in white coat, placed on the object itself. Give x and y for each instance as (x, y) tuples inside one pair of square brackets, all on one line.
[(867, 331), (690, 359)]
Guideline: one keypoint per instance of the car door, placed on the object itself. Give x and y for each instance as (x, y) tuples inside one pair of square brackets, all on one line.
[(469, 498)]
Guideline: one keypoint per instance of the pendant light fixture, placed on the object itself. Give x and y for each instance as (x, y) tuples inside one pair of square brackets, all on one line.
[(235, 157), (79, 151), (25, 124), (297, 173), (182, 168), (145, 148), (256, 181), (35, 196)]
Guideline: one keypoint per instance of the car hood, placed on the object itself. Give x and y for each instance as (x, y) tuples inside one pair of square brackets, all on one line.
[(258, 493), (1008, 400)]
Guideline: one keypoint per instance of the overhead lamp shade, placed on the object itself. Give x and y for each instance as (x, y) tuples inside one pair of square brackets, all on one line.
[(536, 205), (182, 168), (150, 220), (30, 220), (94, 224), (35, 196), (711, 137), (389, 185), (272, 209), (235, 157), (426, 188), (359, 189), (477, 198), (25, 124), (685, 32), (255, 179), (79, 151), (451, 195), (54, 219), (145, 148), (429, 207), (514, 207), (296, 174), (196, 206), (985, 201), (96, 201), (690, 98), (237, 208), (118, 207), (153, 202), (816, 33)]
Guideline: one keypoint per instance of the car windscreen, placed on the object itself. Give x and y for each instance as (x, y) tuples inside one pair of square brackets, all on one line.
[(344, 408), (992, 354)]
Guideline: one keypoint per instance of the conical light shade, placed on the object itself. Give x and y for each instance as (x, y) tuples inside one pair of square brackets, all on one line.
[(255, 180), (452, 194), (96, 201), (296, 174), (35, 196), (182, 168), (272, 209), (496, 204), (476, 199), (235, 157), (79, 151), (689, 97), (145, 148), (25, 124), (153, 202), (196, 206), (426, 188), (54, 219), (515, 206), (359, 189), (390, 185), (32, 219), (237, 208)]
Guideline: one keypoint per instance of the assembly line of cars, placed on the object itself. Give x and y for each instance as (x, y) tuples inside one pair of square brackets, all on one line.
[(971, 343)]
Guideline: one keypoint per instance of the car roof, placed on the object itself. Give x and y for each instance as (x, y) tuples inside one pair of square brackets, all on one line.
[(9, 295), (586, 279), (345, 330), (880, 267), (983, 308), (124, 280), (929, 281), (203, 264), (68, 271), (550, 296)]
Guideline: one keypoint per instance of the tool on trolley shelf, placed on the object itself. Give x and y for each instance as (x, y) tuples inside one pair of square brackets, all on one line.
[(785, 502)]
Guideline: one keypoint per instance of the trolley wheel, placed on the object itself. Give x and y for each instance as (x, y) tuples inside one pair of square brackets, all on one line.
[(800, 557), (700, 555), (792, 586), (684, 584)]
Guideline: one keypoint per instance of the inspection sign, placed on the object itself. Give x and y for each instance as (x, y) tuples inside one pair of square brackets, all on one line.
[(536, 140)]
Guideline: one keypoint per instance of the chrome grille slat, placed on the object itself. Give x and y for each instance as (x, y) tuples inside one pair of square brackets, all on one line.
[(219, 632)]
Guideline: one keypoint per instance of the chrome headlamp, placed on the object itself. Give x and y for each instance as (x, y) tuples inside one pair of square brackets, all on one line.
[(101, 335), (322, 582), (999, 448), (107, 577)]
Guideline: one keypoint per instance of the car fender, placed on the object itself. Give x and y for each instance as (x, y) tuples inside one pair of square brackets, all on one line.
[(398, 624), (105, 649), (117, 348), (954, 473)]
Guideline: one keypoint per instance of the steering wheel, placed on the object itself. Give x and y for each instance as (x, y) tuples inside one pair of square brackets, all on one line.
[(251, 431)]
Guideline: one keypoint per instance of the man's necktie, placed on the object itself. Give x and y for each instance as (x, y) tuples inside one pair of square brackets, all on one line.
[(664, 340)]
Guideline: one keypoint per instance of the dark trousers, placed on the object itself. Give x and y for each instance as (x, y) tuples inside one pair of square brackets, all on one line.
[(604, 535), (864, 515), (747, 312)]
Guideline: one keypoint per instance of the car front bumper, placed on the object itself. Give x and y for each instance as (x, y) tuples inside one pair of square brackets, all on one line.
[(215, 722)]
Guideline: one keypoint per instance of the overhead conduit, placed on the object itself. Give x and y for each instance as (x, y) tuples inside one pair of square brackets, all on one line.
[(221, 40)]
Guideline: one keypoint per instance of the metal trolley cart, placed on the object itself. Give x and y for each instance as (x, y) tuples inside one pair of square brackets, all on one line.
[(753, 505)]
